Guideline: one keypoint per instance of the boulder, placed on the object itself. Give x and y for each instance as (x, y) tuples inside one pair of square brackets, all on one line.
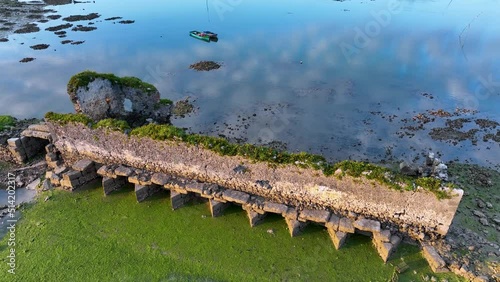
[(102, 96)]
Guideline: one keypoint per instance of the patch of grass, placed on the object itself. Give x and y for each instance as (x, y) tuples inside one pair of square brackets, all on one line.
[(164, 101), (68, 118), (85, 236), (112, 124), (6, 121), (82, 79)]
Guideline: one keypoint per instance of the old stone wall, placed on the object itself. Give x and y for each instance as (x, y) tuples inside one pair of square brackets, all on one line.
[(418, 214)]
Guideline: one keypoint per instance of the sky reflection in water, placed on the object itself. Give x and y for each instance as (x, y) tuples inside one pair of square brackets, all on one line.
[(322, 105)]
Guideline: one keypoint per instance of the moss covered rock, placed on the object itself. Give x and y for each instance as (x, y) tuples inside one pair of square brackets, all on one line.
[(102, 96)]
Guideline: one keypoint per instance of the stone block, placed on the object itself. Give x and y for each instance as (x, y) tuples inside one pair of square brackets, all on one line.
[(395, 240), (235, 196), (319, 216), (14, 142), (338, 237), (178, 199), (84, 166), (159, 178), (383, 236), (124, 171), (435, 261), (275, 208), (345, 225), (367, 225), (61, 169), (295, 227), (103, 171), (254, 217), (333, 222), (72, 175), (42, 127), (217, 207), (383, 249), (113, 184), (142, 192), (195, 187), (51, 157)]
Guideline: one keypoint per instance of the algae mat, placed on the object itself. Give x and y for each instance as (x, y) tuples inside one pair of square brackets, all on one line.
[(84, 236)]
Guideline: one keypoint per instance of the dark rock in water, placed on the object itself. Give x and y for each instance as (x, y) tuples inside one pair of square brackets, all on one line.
[(59, 27), (127, 22), (28, 28), (25, 60), (205, 66), (40, 46), (103, 96), (408, 169), (113, 18), (4, 39), (74, 18), (84, 28)]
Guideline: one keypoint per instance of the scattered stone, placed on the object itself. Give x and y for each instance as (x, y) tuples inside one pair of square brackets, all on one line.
[(28, 28), (26, 60), (40, 46), (264, 184), (478, 213), (484, 221), (59, 27), (182, 108), (84, 28), (74, 18), (270, 231), (240, 169), (113, 18), (205, 66)]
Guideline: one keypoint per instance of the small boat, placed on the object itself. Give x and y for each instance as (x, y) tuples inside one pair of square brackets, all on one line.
[(210, 34), (205, 35)]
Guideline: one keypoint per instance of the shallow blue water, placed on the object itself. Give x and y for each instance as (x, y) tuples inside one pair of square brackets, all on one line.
[(312, 72)]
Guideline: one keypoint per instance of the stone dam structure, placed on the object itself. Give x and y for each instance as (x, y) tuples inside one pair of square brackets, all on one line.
[(77, 154)]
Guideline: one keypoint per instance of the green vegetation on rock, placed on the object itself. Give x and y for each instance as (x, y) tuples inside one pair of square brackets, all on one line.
[(164, 101), (162, 132), (82, 79), (6, 121), (68, 118), (84, 236), (112, 124)]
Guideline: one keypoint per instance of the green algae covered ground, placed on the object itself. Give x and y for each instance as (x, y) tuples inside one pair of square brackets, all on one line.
[(84, 236)]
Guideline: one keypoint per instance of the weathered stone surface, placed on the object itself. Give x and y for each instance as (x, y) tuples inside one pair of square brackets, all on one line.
[(274, 207), (382, 236), (178, 199), (102, 98), (320, 216), (384, 249), (113, 184), (195, 187), (124, 171), (367, 225), (333, 222), (217, 207), (60, 170), (14, 142), (158, 178), (142, 192), (36, 134), (253, 216), (395, 240), (84, 165), (235, 196), (338, 237), (294, 226), (345, 225), (42, 127), (435, 261)]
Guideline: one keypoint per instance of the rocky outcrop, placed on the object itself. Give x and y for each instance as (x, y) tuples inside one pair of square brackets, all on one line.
[(102, 96)]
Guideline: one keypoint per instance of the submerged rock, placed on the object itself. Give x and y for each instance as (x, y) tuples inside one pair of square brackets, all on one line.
[(101, 96)]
